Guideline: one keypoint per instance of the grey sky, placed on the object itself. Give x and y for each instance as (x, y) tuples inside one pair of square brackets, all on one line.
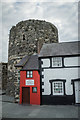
[(64, 15)]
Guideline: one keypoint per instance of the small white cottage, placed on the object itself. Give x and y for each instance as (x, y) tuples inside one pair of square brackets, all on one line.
[(59, 69)]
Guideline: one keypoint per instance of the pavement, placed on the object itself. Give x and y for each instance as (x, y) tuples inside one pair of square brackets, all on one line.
[(0, 104), (15, 110), (12, 110)]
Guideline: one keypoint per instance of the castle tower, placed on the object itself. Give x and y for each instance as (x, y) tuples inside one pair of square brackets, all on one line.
[(26, 38)]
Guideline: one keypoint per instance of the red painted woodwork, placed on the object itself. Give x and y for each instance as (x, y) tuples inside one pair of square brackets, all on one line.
[(25, 95), (34, 97)]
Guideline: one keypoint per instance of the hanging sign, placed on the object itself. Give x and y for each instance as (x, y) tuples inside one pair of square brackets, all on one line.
[(30, 82)]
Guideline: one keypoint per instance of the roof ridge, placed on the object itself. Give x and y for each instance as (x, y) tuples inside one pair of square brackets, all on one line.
[(26, 60)]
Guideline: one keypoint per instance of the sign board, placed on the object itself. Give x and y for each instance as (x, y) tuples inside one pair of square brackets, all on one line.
[(30, 82)]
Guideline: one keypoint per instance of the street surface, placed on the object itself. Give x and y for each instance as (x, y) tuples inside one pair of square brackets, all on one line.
[(14, 110), (9, 109)]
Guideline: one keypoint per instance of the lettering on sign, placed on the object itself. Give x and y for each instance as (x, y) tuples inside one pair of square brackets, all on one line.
[(29, 82)]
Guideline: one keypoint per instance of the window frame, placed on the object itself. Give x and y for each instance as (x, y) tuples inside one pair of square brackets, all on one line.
[(55, 81), (29, 74), (55, 86), (56, 62), (34, 91)]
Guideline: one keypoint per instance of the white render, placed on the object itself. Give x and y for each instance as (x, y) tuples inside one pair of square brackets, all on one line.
[(63, 73), (60, 73), (77, 91), (71, 61)]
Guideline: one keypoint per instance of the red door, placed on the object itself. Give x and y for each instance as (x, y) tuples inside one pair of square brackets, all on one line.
[(26, 95)]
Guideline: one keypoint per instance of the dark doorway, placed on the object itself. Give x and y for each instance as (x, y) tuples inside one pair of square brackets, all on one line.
[(26, 95)]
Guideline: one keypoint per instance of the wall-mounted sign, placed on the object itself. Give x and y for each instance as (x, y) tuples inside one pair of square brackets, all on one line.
[(29, 82)]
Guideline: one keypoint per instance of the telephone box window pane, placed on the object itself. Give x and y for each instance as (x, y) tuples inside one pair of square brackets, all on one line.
[(34, 89)]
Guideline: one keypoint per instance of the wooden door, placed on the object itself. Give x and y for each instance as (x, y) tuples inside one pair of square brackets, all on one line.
[(26, 95)]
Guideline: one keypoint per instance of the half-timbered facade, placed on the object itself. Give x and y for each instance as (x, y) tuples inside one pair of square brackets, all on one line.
[(59, 69)]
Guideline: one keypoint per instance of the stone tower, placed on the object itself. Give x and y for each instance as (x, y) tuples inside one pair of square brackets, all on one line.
[(26, 38)]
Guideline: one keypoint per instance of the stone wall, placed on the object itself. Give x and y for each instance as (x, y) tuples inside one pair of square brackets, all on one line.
[(3, 76), (0, 76), (26, 38)]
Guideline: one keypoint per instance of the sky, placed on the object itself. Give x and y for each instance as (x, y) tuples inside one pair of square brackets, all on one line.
[(62, 13)]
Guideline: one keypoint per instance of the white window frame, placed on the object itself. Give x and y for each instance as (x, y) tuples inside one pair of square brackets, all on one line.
[(57, 62), (62, 93)]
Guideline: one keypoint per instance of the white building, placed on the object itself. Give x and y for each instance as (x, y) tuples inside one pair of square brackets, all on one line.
[(59, 69)]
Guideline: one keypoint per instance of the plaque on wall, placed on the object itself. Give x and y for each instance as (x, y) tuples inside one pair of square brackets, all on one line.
[(29, 82)]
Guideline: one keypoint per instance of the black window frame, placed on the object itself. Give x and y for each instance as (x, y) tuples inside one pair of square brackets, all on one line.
[(29, 74)]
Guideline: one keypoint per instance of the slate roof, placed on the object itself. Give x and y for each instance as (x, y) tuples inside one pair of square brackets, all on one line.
[(22, 62), (60, 49), (29, 63)]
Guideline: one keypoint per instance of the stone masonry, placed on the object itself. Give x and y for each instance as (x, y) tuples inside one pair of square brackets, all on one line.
[(0, 76), (3, 76), (26, 38)]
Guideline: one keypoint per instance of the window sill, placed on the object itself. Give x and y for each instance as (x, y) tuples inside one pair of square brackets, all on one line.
[(57, 95)]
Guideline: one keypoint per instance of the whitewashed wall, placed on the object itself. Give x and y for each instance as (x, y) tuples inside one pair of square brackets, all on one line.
[(60, 73), (72, 61)]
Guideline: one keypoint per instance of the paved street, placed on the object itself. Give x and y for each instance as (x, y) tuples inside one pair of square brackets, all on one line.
[(0, 106), (13, 110)]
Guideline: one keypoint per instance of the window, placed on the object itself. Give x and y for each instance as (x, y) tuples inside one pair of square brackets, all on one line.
[(58, 88), (34, 89), (46, 62), (57, 62), (23, 37), (29, 74)]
